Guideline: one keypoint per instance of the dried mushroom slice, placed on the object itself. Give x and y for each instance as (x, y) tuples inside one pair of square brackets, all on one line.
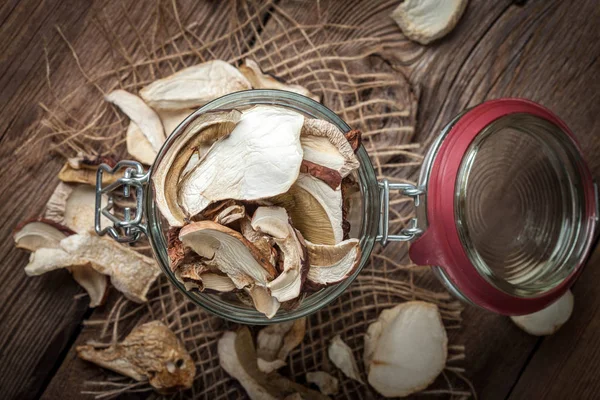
[(83, 169), (74, 207), (260, 80), (229, 251), (201, 278), (548, 320), (260, 158), (324, 144), (150, 352), (35, 234), (131, 273), (194, 86), (341, 355), (46, 259), (275, 342), (326, 383), (141, 114), (405, 349), (204, 130), (329, 176), (332, 264), (424, 21), (264, 243), (274, 221), (172, 118), (138, 146), (315, 210), (263, 301), (237, 356)]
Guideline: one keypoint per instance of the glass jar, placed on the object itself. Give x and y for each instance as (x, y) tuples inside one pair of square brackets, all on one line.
[(506, 174)]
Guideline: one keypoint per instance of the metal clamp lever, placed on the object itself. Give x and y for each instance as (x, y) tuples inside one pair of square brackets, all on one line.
[(129, 228), (406, 234)]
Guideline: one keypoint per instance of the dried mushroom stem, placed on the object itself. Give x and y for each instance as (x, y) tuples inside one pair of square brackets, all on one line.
[(150, 352)]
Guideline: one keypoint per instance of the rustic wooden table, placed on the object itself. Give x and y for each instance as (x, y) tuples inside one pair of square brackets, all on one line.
[(545, 50)]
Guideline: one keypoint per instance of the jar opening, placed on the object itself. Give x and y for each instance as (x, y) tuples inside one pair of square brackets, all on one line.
[(520, 205)]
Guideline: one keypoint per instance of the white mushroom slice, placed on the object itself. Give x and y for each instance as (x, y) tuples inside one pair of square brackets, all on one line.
[(130, 272), (191, 164), (138, 146), (48, 259), (263, 301), (405, 349), (74, 207), (172, 118), (228, 251), (204, 130), (424, 21), (150, 352), (141, 114), (273, 221), (275, 342), (237, 357), (341, 356), (324, 144), (94, 283), (315, 210), (37, 234), (332, 264), (327, 384), (548, 320), (260, 80), (194, 86), (259, 159), (231, 214)]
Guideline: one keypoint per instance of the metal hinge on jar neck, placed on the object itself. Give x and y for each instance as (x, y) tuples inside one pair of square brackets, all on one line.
[(129, 228), (406, 234)]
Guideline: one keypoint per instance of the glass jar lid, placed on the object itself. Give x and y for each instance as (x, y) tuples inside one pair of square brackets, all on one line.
[(510, 207)]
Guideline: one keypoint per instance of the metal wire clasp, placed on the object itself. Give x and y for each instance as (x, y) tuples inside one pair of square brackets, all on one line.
[(406, 234), (129, 228)]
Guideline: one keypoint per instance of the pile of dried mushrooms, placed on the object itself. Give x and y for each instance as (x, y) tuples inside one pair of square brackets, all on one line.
[(255, 204)]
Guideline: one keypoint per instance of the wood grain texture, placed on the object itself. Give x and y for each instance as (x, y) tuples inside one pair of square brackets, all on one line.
[(546, 51)]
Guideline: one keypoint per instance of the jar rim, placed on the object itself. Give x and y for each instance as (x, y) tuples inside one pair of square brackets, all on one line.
[(369, 195)]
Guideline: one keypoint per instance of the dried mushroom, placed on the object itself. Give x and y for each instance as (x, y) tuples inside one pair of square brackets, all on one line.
[(172, 118), (326, 383), (194, 86), (332, 264), (263, 243), (324, 144), (236, 167), (36, 234), (141, 114), (315, 210), (341, 355), (548, 320), (229, 251), (74, 207), (204, 130), (199, 277), (273, 221), (237, 356), (83, 169), (263, 301), (405, 349), (424, 21), (130, 272), (260, 80), (138, 146), (150, 352), (275, 342)]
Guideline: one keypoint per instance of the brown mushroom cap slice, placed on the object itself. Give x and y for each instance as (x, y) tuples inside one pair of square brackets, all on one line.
[(315, 210), (203, 130), (194, 86), (274, 221), (150, 352), (260, 80), (424, 21), (324, 144), (332, 264), (228, 251), (260, 158)]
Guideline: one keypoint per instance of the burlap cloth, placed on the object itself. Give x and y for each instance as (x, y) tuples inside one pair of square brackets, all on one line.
[(327, 48)]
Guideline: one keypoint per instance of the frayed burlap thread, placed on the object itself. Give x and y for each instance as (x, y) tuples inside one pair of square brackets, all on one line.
[(340, 61)]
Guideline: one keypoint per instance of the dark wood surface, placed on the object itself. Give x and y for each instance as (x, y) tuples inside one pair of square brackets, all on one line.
[(546, 50)]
